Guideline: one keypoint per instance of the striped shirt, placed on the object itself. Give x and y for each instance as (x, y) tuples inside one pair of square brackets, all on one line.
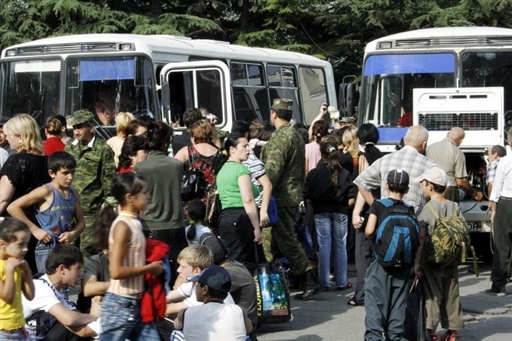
[(407, 159), (257, 169), (136, 256)]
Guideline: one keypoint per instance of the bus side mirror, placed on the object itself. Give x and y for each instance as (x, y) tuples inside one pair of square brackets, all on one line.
[(346, 95), (166, 96)]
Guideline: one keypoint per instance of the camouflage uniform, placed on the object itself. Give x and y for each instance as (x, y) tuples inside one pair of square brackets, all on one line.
[(284, 158), (94, 170)]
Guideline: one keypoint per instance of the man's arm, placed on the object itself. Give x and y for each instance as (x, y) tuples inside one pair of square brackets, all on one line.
[(466, 187), (174, 308), (69, 236), (108, 166), (71, 318), (6, 192)]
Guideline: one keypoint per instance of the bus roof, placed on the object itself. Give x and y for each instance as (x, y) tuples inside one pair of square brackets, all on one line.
[(154, 44), (445, 37)]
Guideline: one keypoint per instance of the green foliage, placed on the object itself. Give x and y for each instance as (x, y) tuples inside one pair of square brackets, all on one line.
[(334, 30)]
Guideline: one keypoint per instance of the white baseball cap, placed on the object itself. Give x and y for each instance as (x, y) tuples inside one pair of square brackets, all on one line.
[(434, 175)]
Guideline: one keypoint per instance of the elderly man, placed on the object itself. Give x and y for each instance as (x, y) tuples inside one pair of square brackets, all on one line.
[(94, 170), (409, 158), (451, 159)]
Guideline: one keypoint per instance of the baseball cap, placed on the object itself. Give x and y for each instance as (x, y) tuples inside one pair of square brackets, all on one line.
[(80, 116), (434, 175), (215, 277), (282, 104), (216, 245), (399, 177)]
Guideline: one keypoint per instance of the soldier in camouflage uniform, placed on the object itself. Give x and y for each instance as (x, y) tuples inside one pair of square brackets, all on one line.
[(94, 170), (284, 158)]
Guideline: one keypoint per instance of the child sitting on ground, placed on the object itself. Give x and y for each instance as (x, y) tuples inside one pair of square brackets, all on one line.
[(441, 284), (196, 213)]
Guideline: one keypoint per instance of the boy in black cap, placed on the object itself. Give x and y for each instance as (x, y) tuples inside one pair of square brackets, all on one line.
[(394, 229), (213, 320)]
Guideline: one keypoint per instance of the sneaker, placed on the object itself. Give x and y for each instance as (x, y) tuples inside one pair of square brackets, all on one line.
[(452, 336), (496, 292)]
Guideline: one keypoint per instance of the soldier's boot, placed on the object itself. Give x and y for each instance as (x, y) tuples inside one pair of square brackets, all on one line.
[(313, 287)]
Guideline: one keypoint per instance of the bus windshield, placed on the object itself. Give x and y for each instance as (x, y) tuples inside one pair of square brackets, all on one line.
[(31, 86), (107, 86), (487, 69), (388, 81)]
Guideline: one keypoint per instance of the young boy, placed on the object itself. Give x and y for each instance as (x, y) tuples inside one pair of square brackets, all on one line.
[(57, 204), (192, 260), (441, 285), (214, 321), (386, 286)]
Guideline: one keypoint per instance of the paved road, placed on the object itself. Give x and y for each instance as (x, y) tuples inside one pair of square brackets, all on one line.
[(328, 317)]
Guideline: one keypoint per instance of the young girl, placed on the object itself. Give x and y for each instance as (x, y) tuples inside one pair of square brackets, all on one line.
[(196, 214), (120, 310), (15, 276)]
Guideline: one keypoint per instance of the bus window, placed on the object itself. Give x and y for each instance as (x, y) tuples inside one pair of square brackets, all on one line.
[(108, 86), (250, 96), (312, 86), (31, 87), (488, 69), (282, 81)]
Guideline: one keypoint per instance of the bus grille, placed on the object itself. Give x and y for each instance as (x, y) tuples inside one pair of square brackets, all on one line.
[(468, 121)]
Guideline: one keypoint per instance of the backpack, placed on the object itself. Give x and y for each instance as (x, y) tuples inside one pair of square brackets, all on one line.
[(446, 246), (397, 237)]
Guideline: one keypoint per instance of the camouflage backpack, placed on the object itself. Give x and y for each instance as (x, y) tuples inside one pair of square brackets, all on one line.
[(446, 246)]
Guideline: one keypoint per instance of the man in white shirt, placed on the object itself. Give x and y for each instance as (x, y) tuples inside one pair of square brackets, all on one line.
[(501, 207), (62, 321), (213, 320)]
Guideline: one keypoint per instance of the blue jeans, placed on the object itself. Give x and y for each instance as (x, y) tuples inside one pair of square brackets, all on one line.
[(120, 320), (331, 229)]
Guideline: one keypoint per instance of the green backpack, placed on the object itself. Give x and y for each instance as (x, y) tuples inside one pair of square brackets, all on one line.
[(447, 244)]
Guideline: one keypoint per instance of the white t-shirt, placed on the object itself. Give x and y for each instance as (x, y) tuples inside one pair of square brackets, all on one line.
[(188, 290), (214, 321)]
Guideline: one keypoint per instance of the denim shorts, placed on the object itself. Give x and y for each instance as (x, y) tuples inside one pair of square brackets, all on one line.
[(16, 334)]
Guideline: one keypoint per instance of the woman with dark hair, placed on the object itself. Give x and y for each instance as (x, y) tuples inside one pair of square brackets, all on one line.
[(163, 216), (134, 150), (239, 225), (330, 191), (136, 127), (368, 136), (320, 129)]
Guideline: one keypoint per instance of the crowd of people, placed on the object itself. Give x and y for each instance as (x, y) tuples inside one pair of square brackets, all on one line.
[(120, 205)]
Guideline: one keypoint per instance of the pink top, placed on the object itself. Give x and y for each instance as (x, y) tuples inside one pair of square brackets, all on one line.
[(313, 154)]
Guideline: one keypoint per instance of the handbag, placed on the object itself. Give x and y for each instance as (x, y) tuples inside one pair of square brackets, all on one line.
[(272, 211), (213, 208), (193, 180), (272, 292)]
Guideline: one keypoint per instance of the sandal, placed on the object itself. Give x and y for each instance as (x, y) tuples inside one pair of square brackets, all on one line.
[(348, 286), (354, 303)]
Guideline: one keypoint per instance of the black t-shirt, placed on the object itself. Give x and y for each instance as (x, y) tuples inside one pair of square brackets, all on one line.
[(243, 289)]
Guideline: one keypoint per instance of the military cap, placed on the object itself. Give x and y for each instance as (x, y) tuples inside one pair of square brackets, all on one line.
[(80, 116), (348, 119), (282, 104)]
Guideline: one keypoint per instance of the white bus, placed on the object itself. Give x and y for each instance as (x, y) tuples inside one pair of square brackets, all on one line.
[(158, 77), (442, 62)]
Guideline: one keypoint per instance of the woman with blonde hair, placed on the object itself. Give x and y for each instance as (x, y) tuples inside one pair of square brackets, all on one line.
[(25, 170), (53, 131), (351, 143), (116, 142)]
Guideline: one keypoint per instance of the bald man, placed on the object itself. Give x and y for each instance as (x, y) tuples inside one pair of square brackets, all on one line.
[(410, 158), (447, 154)]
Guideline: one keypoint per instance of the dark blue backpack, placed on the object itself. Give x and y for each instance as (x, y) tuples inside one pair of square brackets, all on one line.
[(397, 237)]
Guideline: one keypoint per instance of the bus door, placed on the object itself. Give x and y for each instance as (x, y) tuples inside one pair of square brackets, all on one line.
[(198, 84)]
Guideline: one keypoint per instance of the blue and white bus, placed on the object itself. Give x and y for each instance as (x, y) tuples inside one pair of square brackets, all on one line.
[(431, 77), (158, 77)]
